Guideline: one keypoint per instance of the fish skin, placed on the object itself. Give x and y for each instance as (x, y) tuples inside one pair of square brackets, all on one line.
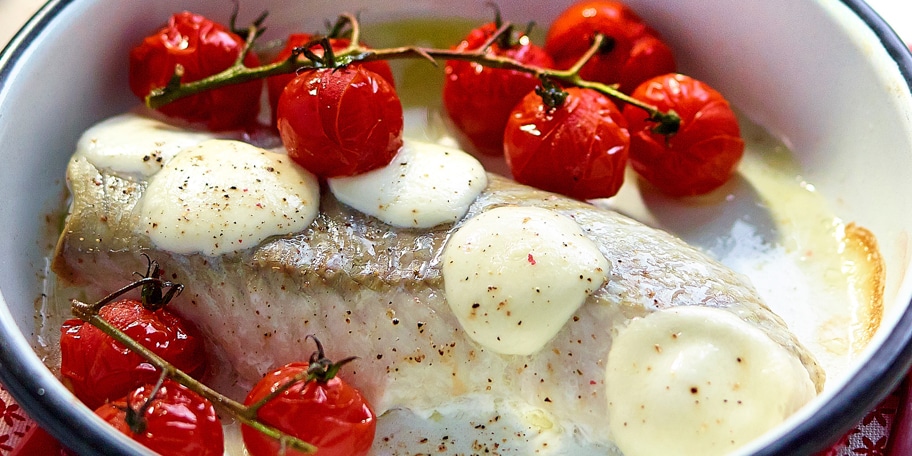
[(369, 290)]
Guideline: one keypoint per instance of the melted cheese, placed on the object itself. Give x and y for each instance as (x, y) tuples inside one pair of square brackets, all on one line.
[(514, 275), (223, 195), (698, 381), (133, 143), (423, 186)]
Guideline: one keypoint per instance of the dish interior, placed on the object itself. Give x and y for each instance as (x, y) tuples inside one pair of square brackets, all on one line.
[(846, 119)]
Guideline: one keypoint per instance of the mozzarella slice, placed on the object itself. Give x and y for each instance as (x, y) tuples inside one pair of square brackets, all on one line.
[(698, 381), (133, 143), (223, 195), (425, 185), (514, 275)]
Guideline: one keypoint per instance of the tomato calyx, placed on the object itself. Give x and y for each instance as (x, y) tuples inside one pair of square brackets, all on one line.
[(252, 31), (152, 293), (322, 369), (135, 416), (553, 96)]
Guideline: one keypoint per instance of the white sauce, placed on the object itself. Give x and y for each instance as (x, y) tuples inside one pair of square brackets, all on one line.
[(134, 143), (223, 195), (514, 275), (424, 185), (698, 381)]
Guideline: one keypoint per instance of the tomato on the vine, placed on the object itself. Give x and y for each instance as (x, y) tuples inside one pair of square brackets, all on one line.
[(99, 369), (325, 411), (172, 420), (702, 155), (277, 83), (202, 48), (340, 121), (478, 99), (632, 51), (578, 148)]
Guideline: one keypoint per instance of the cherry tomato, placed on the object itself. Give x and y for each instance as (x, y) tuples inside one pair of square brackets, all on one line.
[(340, 121), (705, 151), (175, 422), (327, 413), (578, 148), (202, 47), (479, 99), (633, 52), (99, 369), (276, 84)]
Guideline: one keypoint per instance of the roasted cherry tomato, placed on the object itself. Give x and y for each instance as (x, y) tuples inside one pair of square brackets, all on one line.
[(276, 84), (479, 99), (202, 48), (171, 421), (325, 411), (578, 148), (340, 121), (632, 51), (705, 151), (100, 369)]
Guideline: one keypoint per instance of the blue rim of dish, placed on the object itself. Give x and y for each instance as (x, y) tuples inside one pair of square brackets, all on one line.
[(28, 380), (26, 377)]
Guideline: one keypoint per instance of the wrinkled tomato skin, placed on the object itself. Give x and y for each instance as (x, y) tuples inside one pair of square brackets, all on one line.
[(637, 53), (179, 422), (340, 122), (579, 149), (478, 99), (275, 84), (704, 153), (203, 48), (331, 415), (99, 369)]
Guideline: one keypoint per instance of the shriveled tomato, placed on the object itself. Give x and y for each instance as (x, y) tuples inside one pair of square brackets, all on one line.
[(202, 48), (276, 84), (172, 420), (705, 151), (479, 99), (99, 369), (632, 52), (578, 148), (340, 121), (325, 411)]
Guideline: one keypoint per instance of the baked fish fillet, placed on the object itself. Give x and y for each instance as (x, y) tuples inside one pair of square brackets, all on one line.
[(376, 292)]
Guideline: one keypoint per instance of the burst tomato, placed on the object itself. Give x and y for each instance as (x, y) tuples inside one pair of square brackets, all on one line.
[(172, 421), (578, 148), (327, 413), (705, 151), (276, 84), (340, 121), (99, 369), (479, 99), (632, 53), (203, 48)]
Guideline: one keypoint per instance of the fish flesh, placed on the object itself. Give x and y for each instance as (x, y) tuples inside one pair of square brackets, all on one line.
[(373, 291)]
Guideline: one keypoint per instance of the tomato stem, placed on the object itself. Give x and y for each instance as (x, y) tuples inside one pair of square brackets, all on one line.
[(669, 121), (247, 415)]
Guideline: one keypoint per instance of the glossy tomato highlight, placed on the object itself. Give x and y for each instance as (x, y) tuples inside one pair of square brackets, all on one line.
[(276, 84), (479, 99), (330, 414), (632, 53), (340, 121), (173, 420), (578, 149), (99, 369), (705, 151), (202, 48)]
